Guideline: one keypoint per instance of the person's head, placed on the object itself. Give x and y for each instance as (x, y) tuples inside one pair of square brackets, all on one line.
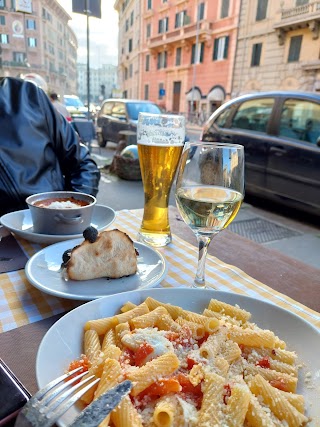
[(53, 96), (35, 79)]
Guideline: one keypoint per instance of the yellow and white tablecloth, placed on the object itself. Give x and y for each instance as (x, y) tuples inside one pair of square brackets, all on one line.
[(21, 303)]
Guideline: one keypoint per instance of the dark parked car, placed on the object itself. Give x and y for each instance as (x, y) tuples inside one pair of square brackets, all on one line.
[(116, 115), (280, 132)]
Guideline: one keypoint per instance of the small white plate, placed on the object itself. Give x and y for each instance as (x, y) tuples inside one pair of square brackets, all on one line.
[(20, 223), (44, 272), (63, 342)]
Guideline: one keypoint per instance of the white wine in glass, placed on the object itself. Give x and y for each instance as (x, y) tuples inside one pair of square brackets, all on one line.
[(209, 192)]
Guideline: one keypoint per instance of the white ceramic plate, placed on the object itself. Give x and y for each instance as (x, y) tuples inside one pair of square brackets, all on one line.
[(63, 342), (43, 271), (20, 223)]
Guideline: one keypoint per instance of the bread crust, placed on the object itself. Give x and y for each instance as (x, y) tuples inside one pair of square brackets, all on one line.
[(112, 255)]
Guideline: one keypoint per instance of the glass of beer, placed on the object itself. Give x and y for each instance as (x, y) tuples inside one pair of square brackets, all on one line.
[(160, 141), (209, 192)]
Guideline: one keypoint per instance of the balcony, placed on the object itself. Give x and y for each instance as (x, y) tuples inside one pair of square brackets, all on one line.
[(311, 65), (14, 64), (305, 16), (188, 33)]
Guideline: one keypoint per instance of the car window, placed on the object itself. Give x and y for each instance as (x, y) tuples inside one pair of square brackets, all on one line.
[(253, 115), (300, 120), (222, 118), (134, 108), (118, 110), (73, 102), (107, 108)]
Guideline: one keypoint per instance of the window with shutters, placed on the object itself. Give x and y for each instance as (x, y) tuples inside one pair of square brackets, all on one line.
[(197, 53), (261, 10), (130, 45), (162, 60), (2, 3), (149, 4), (146, 92), (294, 49), (224, 8), (163, 25), (32, 42), (31, 24), (148, 32), (178, 56), (18, 56), (4, 38), (2, 20), (147, 63), (201, 11), (220, 48), (256, 54), (180, 20)]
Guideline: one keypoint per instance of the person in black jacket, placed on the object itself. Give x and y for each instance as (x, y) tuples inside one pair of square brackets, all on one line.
[(39, 150)]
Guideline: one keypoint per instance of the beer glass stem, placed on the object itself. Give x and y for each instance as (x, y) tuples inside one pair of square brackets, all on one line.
[(204, 242)]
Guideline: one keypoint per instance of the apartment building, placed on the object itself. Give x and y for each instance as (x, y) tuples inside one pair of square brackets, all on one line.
[(40, 42), (278, 46), (129, 46), (178, 53), (188, 50), (103, 80)]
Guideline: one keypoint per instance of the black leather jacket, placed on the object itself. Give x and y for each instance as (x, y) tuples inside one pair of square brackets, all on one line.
[(39, 150)]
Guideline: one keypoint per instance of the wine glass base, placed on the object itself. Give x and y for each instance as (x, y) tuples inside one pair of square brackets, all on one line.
[(155, 239), (199, 284)]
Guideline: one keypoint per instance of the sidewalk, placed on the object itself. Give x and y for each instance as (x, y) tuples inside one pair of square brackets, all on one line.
[(288, 236)]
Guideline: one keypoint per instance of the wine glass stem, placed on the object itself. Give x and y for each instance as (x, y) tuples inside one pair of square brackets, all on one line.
[(204, 242)]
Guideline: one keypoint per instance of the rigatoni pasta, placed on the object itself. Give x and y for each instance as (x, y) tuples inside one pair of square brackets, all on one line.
[(215, 369)]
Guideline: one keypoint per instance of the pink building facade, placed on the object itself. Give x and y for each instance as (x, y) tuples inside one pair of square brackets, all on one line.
[(187, 53)]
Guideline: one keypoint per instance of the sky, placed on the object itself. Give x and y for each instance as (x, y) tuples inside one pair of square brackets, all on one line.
[(103, 34)]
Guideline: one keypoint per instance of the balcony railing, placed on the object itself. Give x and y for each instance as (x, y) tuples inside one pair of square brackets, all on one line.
[(308, 8), (14, 64), (299, 15), (181, 33)]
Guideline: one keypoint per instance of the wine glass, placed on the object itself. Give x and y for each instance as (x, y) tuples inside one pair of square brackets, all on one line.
[(209, 192)]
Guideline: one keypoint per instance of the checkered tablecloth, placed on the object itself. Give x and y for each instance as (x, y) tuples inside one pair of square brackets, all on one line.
[(21, 303)]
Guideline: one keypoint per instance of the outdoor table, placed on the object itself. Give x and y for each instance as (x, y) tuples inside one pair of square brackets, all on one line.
[(234, 264)]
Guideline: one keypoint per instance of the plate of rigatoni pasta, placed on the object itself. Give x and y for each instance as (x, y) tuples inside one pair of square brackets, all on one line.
[(198, 358)]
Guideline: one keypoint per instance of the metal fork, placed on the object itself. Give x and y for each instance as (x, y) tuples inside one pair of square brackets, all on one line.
[(52, 401)]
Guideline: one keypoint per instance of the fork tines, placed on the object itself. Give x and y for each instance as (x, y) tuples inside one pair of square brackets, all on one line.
[(49, 403)]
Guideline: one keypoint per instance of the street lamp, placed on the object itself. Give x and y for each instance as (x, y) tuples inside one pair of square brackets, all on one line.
[(196, 60)]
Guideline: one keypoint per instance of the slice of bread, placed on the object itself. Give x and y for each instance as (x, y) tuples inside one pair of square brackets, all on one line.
[(111, 255)]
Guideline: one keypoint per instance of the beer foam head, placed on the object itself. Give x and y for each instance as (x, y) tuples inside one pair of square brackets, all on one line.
[(161, 129)]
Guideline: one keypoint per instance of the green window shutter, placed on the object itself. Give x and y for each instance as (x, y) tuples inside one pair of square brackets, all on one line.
[(193, 54), (294, 49), (215, 49), (226, 47), (201, 52), (224, 9), (256, 54), (261, 10)]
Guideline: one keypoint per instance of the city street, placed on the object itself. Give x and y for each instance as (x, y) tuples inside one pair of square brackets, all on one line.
[(287, 231)]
